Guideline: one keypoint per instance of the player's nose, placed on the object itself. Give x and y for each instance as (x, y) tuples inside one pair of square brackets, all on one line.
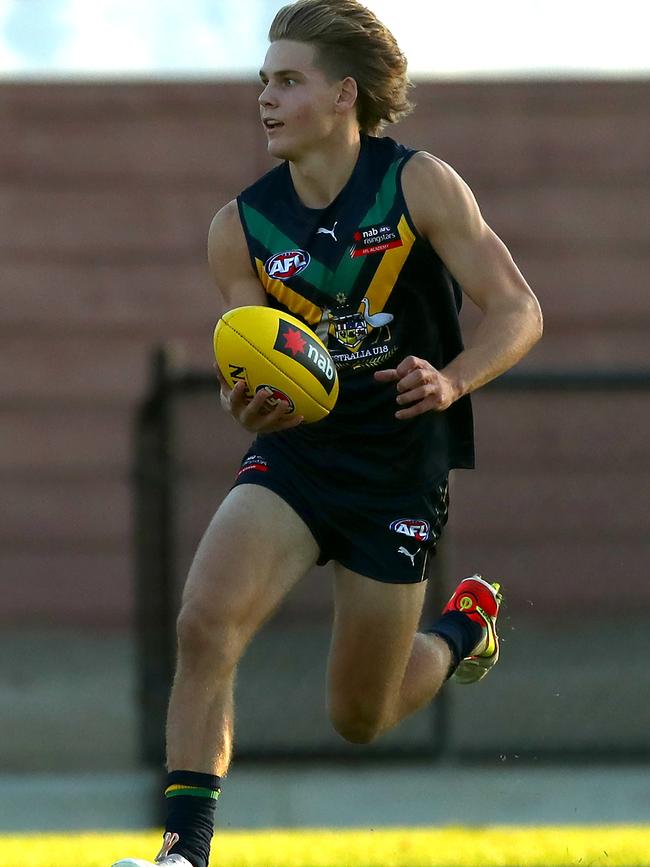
[(266, 97)]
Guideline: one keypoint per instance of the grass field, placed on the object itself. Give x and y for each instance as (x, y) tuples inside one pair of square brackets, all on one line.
[(452, 847)]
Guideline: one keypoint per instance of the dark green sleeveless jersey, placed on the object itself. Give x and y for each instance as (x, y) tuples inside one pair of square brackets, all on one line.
[(359, 274)]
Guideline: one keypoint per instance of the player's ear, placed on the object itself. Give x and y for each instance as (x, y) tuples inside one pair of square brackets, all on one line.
[(347, 95)]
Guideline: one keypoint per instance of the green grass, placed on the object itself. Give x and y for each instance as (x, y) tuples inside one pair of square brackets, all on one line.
[(625, 846)]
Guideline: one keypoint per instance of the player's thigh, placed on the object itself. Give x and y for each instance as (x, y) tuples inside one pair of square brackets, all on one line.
[(374, 627), (252, 553)]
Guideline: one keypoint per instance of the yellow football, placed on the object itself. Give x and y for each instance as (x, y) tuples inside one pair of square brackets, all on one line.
[(265, 347)]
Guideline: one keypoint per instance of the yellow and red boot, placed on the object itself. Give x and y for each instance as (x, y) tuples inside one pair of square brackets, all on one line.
[(479, 600)]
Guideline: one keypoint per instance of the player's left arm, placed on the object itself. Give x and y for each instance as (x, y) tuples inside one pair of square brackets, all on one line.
[(445, 212)]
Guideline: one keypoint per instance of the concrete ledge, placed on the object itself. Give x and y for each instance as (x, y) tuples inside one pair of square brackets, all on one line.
[(341, 796), (57, 802)]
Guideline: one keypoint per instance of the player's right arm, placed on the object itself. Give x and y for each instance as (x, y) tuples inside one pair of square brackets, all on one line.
[(230, 264), (239, 286)]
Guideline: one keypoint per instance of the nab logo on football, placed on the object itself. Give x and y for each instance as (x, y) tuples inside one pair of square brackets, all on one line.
[(412, 527), (282, 266), (297, 344)]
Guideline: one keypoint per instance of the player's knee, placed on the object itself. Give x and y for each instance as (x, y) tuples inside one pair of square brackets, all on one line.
[(357, 725), (205, 638)]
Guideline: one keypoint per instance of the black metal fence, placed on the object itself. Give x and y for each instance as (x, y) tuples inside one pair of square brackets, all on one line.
[(573, 680)]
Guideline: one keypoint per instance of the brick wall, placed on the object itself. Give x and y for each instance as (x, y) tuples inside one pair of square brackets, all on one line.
[(106, 194)]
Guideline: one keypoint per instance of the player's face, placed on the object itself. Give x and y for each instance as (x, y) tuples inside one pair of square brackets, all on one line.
[(297, 105)]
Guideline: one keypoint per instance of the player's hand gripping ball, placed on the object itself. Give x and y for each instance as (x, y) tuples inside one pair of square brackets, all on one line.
[(269, 349)]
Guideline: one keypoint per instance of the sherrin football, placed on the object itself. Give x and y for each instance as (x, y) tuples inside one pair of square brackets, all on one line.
[(268, 348)]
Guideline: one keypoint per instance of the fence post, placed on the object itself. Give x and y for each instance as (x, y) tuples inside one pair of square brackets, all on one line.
[(153, 543)]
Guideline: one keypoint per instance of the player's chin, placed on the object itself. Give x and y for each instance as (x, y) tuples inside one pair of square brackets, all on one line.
[(285, 146), (280, 147)]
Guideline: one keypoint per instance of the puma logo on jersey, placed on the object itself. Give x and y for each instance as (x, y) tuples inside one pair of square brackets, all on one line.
[(323, 231)]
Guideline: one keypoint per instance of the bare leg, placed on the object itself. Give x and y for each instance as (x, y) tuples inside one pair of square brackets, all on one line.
[(426, 672), (253, 552), (380, 670)]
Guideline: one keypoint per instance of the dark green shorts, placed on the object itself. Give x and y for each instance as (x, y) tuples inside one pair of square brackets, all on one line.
[(388, 537)]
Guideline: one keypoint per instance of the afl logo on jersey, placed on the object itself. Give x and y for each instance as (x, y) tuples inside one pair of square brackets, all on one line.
[(282, 266), (413, 527)]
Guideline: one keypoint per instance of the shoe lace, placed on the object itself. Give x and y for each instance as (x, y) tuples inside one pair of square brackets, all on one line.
[(170, 839)]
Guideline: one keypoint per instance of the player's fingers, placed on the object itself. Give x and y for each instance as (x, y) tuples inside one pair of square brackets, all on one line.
[(413, 394), (431, 403), (251, 412), (413, 411), (410, 363), (288, 422), (416, 379), (388, 375), (236, 396), (278, 418), (260, 402), (222, 380)]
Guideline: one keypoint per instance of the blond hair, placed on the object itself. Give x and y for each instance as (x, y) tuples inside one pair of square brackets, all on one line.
[(351, 41)]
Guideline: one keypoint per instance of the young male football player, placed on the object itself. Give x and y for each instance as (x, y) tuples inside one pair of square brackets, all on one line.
[(369, 243)]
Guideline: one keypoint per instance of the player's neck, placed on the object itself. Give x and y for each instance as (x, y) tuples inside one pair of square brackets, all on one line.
[(320, 175)]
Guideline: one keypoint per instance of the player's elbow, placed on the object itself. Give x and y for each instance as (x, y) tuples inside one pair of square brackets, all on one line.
[(528, 318), (535, 319)]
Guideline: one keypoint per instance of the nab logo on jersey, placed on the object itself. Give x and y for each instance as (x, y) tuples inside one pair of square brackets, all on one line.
[(288, 264), (413, 527)]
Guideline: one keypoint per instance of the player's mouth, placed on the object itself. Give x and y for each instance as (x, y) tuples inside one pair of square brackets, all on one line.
[(271, 125)]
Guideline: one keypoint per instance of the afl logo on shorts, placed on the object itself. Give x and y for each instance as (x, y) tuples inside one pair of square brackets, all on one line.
[(282, 266), (414, 528)]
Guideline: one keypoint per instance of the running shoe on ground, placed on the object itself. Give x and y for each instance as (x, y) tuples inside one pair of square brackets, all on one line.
[(162, 859), (480, 601), (169, 861)]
